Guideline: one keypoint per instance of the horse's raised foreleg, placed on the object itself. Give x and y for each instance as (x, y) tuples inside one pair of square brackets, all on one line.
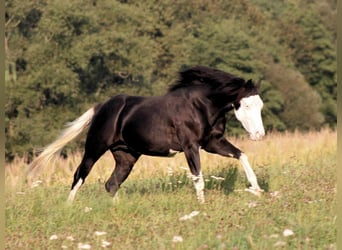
[(255, 188), (193, 159), (124, 165), (223, 147)]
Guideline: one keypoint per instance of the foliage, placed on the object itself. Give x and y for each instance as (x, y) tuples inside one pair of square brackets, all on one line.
[(63, 57), (298, 98)]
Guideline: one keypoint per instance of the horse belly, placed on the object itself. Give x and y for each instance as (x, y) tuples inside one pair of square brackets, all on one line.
[(149, 137)]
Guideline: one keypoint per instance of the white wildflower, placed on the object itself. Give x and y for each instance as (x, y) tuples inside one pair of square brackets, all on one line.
[(53, 237), (83, 246), (169, 171), (217, 178), (177, 238), (252, 204), (36, 183), (275, 194), (105, 243), (87, 209), (70, 238), (280, 244), (288, 232), (315, 201), (274, 236), (189, 216), (99, 233)]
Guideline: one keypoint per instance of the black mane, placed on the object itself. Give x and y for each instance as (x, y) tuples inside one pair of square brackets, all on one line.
[(201, 75)]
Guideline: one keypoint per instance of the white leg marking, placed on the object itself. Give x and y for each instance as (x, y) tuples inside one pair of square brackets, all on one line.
[(255, 189), (74, 191), (199, 186), (172, 152), (116, 198)]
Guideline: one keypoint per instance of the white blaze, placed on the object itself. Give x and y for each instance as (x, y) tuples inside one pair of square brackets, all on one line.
[(249, 114)]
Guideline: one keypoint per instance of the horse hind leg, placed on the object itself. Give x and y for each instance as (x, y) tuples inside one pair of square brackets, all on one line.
[(82, 172), (123, 167), (74, 190)]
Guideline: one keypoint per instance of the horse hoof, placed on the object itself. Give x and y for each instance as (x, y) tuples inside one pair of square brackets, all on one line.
[(116, 199), (201, 201), (254, 191)]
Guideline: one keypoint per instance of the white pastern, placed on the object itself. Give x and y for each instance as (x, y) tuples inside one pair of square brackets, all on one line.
[(74, 191), (199, 186), (249, 114), (116, 198), (255, 189)]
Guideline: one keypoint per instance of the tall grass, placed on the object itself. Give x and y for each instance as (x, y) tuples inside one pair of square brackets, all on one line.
[(297, 171)]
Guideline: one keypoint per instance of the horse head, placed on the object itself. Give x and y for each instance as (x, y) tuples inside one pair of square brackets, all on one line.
[(248, 108)]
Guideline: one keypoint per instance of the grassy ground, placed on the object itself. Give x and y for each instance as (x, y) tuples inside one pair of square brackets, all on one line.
[(157, 207)]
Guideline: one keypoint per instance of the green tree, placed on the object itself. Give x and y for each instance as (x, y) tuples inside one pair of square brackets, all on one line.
[(313, 49), (63, 57), (301, 103)]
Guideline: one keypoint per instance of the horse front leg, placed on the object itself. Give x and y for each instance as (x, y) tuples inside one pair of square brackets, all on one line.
[(219, 145), (255, 188), (193, 159)]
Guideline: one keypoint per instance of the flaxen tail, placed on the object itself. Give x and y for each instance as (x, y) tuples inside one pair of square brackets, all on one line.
[(73, 129)]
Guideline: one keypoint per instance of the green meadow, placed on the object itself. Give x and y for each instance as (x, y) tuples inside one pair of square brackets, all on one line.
[(157, 206)]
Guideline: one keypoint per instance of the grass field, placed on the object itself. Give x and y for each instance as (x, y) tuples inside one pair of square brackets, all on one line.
[(157, 207)]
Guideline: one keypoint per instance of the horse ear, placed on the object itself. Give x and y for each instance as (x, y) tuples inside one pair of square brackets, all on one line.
[(249, 82), (257, 85)]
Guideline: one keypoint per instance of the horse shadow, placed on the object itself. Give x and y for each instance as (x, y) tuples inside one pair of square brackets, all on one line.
[(230, 179), (223, 180), (226, 180)]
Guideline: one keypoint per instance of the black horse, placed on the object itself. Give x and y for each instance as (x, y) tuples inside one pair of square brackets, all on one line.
[(190, 116)]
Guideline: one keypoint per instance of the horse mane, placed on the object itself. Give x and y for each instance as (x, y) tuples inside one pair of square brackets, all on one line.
[(204, 76)]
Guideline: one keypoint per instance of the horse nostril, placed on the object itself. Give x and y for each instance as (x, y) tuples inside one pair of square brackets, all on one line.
[(258, 135)]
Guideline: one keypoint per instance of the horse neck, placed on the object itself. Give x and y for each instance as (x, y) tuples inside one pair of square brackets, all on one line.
[(211, 105), (213, 102), (222, 101)]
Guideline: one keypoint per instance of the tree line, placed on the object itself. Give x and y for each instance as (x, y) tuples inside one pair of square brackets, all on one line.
[(63, 57)]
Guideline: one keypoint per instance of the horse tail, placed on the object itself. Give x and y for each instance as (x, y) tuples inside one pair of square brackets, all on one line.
[(72, 130)]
